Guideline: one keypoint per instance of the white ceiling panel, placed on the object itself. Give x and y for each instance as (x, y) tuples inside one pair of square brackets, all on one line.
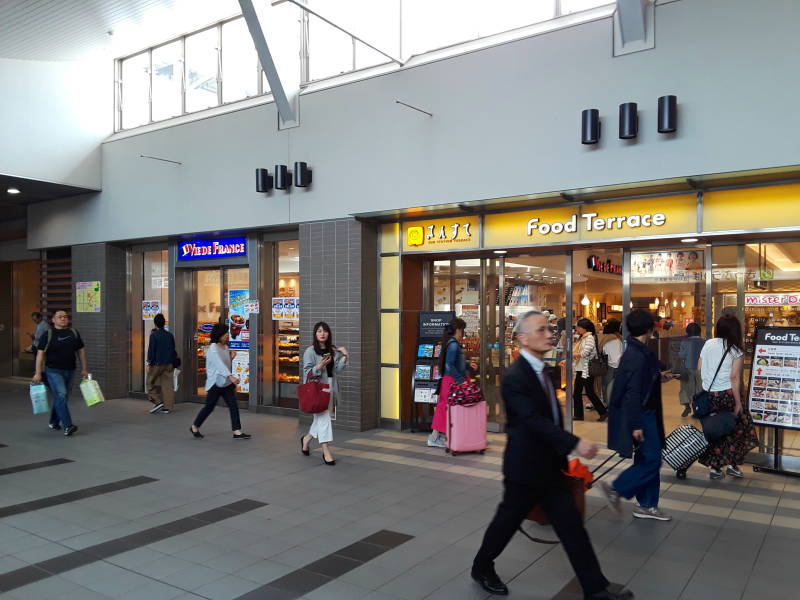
[(56, 30)]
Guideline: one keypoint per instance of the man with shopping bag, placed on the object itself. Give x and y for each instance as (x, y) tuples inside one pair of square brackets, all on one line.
[(55, 361)]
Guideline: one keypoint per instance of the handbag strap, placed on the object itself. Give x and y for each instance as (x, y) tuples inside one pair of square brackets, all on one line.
[(719, 366)]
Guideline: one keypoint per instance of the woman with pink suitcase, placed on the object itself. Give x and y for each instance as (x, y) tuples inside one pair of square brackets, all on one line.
[(453, 367)]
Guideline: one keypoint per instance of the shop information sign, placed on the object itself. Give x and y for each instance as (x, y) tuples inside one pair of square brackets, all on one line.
[(215, 248), (775, 379), (150, 308), (432, 324), (772, 299), (88, 297)]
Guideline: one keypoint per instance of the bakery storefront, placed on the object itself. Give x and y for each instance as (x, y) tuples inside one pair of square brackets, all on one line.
[(249, 281), (688, 257)]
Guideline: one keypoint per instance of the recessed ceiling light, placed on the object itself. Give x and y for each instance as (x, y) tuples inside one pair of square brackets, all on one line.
[(12, 191), (689, 240), (500, 251)]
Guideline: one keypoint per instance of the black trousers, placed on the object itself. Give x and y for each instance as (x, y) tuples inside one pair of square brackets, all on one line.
[(582, 384), (559, 505), (228, 393)]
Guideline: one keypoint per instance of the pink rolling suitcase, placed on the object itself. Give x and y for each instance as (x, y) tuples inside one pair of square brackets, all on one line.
[(466, 428)]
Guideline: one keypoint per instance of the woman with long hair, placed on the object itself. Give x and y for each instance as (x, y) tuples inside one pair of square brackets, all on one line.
[(220, 381), (585, 350), (453, 368), (322, 359), (725, 352)]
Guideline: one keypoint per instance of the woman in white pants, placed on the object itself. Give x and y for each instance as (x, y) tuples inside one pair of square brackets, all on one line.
[(322, 359)]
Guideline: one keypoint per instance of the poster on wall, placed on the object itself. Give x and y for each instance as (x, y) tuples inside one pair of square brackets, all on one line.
[(237, 319), (240, 365), (88, 297), (286, 308), (150, 308), (471, 313), (775, 377), (251, 307), (683, 264)]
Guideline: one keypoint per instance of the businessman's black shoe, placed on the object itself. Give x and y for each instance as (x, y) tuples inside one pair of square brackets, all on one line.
[(489, 581), (612, 592)]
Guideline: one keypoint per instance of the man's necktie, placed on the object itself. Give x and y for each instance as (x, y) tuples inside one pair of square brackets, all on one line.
[(551, 394)]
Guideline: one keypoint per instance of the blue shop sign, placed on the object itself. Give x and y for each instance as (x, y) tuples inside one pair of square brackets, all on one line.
[(216, 248)]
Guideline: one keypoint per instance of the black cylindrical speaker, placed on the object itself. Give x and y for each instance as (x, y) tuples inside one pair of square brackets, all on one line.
[(667, 114), (263, 180), (590, 126), (302, 175), (281, 177), (628, 121)]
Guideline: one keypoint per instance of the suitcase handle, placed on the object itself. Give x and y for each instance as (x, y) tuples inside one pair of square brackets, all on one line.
[(609, 469)]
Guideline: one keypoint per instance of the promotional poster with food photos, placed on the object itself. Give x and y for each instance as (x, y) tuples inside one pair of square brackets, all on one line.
[(775, 377)]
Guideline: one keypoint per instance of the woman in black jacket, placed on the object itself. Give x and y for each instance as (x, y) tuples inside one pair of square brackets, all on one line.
[(636, 422)]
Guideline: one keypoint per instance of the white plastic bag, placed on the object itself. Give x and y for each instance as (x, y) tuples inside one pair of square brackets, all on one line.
[(176, 379)]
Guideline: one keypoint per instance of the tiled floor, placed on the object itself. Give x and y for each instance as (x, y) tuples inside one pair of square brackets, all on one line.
[(392, 520)]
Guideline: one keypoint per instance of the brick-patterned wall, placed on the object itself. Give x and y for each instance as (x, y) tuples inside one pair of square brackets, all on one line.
[(105, 333), (338, 285)]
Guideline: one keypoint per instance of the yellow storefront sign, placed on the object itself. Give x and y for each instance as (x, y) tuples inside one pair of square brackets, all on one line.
[(751, 208), (436, 235), (603, 221)]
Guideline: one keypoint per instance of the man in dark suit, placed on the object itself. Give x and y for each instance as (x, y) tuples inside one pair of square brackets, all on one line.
[(533, 465)]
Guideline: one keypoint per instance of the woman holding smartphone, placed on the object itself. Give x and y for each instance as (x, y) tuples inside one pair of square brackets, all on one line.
[(220, 381), (322, 359)]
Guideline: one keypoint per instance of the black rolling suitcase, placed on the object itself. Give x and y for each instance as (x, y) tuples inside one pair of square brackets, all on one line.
[(684, 446)]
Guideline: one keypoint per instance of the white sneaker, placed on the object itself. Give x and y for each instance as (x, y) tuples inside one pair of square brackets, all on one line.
[(716, 474), (650, 513), (434, 440)]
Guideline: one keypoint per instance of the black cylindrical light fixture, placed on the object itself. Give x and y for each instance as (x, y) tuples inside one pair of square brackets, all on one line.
[(263, 180), (667, 114), (302, 175), (628, 121), (282, 177), (590, 126)]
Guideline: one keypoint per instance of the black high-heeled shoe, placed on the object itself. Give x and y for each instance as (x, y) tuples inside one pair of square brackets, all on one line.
[(331, 463), (196, 434), (302, 446)]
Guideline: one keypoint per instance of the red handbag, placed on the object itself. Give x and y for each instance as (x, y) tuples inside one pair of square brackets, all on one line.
[(314, 396)]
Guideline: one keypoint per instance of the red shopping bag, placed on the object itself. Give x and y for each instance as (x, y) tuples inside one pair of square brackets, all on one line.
[(314, 396)]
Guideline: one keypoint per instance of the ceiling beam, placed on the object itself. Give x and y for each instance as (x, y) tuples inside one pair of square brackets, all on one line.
[(632, 22), (284, 97)]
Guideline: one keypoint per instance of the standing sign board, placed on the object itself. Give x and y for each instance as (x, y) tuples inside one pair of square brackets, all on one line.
[(426, 363), (775, 377)]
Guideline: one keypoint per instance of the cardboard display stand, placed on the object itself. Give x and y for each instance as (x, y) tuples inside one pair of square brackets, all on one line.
[(774, 396), (426, 373)]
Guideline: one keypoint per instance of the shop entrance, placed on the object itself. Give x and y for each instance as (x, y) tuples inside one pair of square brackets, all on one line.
[(490, 294), (217, 296)]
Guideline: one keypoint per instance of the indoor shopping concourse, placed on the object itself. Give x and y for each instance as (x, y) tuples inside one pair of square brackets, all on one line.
[(314, 299), (134, 507)]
